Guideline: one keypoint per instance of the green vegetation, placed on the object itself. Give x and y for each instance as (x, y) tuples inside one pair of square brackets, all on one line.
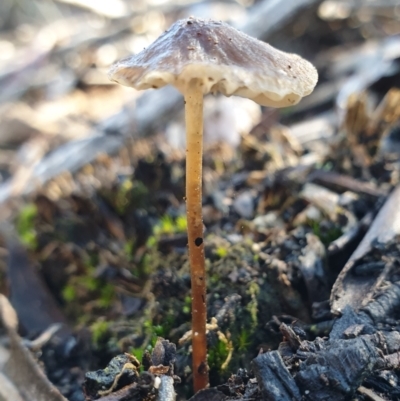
[(187, 305), (99, 330), (107, 294), (26, 226), (325, 235), (217, 355), (221, 252), (252, 306), (69, 293), (243, 340), (86, 286), (138, 354), (168, 225), (130, 194)]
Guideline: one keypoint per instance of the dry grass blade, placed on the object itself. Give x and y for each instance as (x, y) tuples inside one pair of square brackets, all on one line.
[(20, 368), (8, 315)]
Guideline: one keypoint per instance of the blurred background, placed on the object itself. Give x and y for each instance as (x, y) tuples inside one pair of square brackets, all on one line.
[(58, 109)]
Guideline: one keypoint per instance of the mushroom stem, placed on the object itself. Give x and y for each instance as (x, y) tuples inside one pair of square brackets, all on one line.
[(194, 155)]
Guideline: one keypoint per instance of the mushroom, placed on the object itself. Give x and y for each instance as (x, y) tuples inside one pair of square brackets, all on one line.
[(198, 57)]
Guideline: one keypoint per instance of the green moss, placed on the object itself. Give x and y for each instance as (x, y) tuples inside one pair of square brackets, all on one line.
[(181, 224), (138, 353), (168, 225), (151, 242), (130, 194), (325, 235), (107, 295), (69, 293), (99, 330), (162, 327), (221, 252), (217, 355), (242, 342), (159, 330), (89, 283), (80, 290), (252, 306), (187, 305), (26, 226), (128, 248), (214, 278), (90, 261)]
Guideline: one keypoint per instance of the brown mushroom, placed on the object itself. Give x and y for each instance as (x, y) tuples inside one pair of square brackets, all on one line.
[(198, 57)]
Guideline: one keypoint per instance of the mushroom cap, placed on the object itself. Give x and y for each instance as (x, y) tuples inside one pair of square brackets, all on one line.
[(223, 59)]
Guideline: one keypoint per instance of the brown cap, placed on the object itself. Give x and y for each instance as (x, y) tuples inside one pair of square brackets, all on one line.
[(223, 59)]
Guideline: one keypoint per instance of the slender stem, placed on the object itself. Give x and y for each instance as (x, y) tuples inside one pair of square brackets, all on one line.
[(194, 155)]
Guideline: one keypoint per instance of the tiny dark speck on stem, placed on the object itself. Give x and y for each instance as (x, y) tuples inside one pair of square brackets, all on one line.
[(202, 369), (198, 241)]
